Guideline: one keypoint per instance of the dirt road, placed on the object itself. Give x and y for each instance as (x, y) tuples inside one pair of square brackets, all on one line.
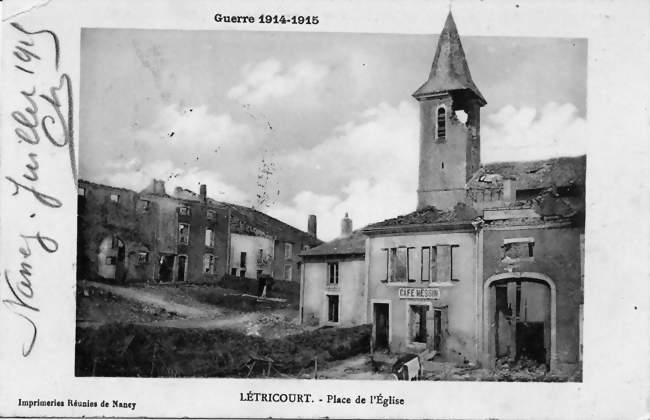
[(182, 310)]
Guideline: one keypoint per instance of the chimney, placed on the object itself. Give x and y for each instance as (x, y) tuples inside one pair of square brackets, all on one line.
[(158, 187), (346, 226), (509, 190), (203, 192), (311, 225)]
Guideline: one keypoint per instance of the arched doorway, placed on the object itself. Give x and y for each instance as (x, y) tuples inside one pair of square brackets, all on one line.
[(111, 259), (520, 317)]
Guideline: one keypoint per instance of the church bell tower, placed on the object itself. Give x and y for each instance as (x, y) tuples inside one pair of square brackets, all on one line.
[(450, 141)]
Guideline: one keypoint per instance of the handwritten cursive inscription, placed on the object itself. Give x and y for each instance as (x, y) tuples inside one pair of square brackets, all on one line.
[(44, 119), (22, 290)]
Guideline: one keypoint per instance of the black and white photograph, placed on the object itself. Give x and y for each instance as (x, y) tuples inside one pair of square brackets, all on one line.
[(324, 209), (314, 206)]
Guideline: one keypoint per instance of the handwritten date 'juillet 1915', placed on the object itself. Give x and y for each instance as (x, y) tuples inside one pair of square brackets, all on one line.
[(53, 123), (268, 19)]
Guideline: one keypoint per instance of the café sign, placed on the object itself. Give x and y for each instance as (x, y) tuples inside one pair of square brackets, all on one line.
[(419, 293)]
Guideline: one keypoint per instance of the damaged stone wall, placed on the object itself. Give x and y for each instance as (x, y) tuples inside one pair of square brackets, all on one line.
[(555, 252), (446, 164), (147, 225), (106, 212), (167, 235)]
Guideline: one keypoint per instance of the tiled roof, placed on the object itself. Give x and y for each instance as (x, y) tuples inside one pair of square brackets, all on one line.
[(430, 216), (537, 174), (449, 71), (354, 244), (248, 221)]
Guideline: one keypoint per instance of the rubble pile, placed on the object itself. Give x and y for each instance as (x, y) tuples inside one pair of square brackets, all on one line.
[(505, 370)]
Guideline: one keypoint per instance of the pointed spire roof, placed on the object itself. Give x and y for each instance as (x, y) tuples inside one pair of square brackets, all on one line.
[(449, 70)]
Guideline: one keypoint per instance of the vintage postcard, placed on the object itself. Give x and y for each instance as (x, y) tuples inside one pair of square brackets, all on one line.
[(421, 209)]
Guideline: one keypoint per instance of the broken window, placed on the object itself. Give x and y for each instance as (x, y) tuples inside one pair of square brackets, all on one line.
[(184, 211), (418, 323), (183, 233), (115, 198), (441, 124), (333, 308), (211, 215), (333, 273), (516, 249), (527, 194), (116, 242), (242, 260), (143, 257), (208, 264), (233, 271), (209, 237), (288, 251), (287, 272), (143, 205)]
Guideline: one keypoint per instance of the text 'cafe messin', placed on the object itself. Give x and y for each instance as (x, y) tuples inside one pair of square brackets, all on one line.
[(419, 293)]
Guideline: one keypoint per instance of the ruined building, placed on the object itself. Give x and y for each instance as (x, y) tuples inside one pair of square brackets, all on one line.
[(180, 236), (488, 266)]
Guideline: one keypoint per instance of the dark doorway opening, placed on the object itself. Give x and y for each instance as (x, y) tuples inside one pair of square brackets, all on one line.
[(521, 321), (382, 320), (437, 330), (418, 323), (166, 268), (182, 265), (530, 341), (120, 266), (333, 308)]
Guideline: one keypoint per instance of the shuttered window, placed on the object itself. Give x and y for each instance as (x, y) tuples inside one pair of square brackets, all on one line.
[(410, 264), (425, 264), (443, 262), (441, 124)]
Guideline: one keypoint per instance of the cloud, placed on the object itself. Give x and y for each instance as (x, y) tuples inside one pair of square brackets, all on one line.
[(381, 143), (269, 80), (186, 147), (369, 167), (136, 176), (529, 134), (194, 129)]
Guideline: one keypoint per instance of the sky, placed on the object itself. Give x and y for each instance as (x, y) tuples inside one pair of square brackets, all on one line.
[(308, 123)]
